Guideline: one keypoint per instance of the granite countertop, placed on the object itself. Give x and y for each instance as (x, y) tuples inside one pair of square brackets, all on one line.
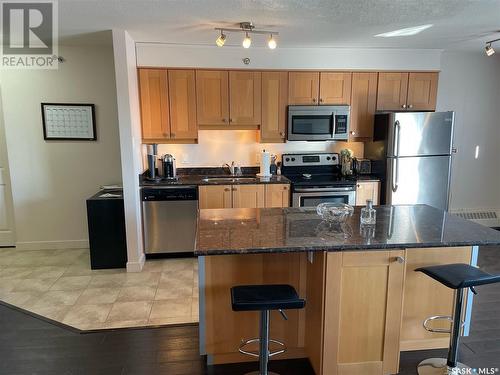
[(199, 180), (272, 230)]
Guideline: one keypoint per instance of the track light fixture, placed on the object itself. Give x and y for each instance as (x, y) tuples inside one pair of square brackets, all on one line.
[(247, 28), (489, 49), (221, 39)]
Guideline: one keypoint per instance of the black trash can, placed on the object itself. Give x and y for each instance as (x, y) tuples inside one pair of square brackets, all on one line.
[(106, 222)]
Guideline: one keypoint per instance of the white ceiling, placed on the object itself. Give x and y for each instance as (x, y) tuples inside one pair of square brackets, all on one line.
[(458, 24)]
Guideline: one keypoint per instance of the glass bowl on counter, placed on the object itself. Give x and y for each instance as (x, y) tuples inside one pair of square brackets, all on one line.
[(334, 213)]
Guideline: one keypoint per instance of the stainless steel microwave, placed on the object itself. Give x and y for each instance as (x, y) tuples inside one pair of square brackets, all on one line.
[(318, 123)]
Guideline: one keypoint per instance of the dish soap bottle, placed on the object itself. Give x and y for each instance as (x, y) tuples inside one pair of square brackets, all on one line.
[(368, 214)]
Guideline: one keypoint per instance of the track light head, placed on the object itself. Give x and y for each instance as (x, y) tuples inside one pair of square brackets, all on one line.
[(271, 43), (247, 42), (221, 39), (489, 50)]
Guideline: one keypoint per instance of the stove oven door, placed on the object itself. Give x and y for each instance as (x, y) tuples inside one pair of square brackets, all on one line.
[(313, 197)]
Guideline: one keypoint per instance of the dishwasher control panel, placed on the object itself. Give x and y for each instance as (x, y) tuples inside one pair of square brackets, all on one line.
[(170, 194)]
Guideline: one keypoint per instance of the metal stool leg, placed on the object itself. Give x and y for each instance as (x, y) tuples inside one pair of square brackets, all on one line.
[(442, 366)]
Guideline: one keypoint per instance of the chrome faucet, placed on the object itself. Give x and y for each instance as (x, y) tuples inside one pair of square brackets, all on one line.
[(234, 169)]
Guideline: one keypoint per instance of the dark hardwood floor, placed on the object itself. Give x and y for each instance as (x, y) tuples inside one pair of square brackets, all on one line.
[(30, 345)]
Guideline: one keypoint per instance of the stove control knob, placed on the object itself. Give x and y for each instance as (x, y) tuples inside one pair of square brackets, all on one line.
[(328, 158), (293, 159), (287, 159)]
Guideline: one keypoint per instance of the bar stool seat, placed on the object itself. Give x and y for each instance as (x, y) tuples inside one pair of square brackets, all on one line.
[(458, 277), (264, 298)]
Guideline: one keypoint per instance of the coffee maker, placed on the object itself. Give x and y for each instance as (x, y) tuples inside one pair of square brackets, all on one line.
[(152, 151), (168, 167)]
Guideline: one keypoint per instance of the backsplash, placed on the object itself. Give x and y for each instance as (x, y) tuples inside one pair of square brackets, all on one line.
[(216, 147)]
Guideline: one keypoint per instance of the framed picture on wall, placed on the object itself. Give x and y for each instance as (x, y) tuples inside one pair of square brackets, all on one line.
[(74, 122)]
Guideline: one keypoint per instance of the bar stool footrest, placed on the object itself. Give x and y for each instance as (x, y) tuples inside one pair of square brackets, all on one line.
[(437, 317), (256, 353), (438, 366)]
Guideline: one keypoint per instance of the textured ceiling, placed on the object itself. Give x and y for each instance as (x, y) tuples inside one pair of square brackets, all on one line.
[(301, 23)]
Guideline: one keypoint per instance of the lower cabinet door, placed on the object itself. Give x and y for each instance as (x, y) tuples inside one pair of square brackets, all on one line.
[(217, 196), (277, 195), (248, 196), (363, 312)]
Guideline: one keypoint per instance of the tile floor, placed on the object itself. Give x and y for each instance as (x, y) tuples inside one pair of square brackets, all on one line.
[(60, 285)]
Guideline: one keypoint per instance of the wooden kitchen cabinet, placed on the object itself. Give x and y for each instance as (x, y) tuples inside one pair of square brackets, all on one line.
[(244, 98), (422, 91), (362, 312), (212, 97), (153, 93), (425, 297), (215, 196), (363, 105), (277, 195), (182, 100), (407, 91), (248, 196), (303, 88), (367, 190), (392, 91), (335, 88), (274, 106)]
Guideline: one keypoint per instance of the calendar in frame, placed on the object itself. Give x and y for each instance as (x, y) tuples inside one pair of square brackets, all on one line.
[(69, 122)]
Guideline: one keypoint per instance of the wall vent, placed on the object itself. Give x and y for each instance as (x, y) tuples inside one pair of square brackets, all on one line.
[(488, 217)]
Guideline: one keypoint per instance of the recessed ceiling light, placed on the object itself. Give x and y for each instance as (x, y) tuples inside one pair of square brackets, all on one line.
[(405, 32)]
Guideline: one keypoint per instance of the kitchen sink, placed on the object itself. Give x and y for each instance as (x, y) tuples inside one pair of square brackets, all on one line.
[(230, 179)]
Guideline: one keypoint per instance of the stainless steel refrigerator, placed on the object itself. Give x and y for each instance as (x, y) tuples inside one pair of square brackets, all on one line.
[(412, 152)]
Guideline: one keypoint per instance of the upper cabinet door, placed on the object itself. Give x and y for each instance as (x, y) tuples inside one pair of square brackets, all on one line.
[(363, 104), (153, 93), (303, 88), (335, 88), (244, 98), (274, 102), (392, 91), (422, 91), (182, 89), (212, 99)]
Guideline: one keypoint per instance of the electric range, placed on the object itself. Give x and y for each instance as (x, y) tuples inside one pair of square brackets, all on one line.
[(317, 178)]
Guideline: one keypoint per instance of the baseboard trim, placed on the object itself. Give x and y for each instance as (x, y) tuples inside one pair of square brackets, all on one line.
[(52, 245), (136, 266)]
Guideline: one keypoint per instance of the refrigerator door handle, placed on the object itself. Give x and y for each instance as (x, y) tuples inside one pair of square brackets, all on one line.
[(395, 172), (397, 131)]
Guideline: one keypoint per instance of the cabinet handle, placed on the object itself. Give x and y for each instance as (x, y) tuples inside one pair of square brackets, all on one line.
[(314, 100), (400, 259), (227, 189), (320, 100), (223, 120), (403, 106), (410, 106), (285, 187), (282, 134), (358, 185), (353, 132), (235, 189), (172, 135), (230, 120)]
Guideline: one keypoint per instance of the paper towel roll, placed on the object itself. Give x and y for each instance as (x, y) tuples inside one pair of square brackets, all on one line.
[(265, 164)]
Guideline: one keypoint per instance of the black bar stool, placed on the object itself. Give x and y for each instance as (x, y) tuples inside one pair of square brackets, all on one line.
[(264, 298), (458, 277)]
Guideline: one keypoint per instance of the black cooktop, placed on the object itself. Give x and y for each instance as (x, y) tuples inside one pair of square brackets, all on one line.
[(320, 180)]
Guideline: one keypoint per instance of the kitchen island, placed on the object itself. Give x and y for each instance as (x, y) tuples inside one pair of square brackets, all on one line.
[(364, 302)]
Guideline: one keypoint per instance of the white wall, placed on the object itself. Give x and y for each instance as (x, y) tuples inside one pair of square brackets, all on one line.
[(469, 84), (130, 143), (51, 180), (174, 55)]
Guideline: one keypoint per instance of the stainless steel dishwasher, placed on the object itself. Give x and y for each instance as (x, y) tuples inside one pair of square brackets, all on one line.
[(169, 216)]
